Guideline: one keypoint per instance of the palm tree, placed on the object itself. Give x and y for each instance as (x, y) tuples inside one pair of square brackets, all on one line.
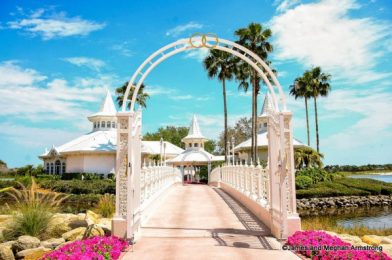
[(320, 87), (307, 157), (221, 65), (141, 98), (301, 89), (255, 38)]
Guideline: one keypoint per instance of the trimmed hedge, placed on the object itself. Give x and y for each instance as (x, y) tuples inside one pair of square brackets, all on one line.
[(80, 187), (346, 187)]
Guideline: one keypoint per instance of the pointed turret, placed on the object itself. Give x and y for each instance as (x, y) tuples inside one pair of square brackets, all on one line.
[(195, 138), (268, 107), (105, 119)]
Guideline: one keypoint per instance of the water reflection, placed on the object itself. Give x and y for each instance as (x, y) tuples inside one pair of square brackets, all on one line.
[(371, 217)]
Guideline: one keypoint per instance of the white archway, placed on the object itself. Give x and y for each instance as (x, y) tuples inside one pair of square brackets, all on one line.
[(129, 213)]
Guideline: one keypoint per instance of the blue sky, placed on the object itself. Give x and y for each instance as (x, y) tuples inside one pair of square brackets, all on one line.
[(57, 58)]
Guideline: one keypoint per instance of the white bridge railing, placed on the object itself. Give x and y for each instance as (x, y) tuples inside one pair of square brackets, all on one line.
[(156, 178), (250, 180)]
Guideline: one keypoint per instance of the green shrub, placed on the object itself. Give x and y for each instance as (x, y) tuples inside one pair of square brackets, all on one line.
[(316, 174), (106, 205), (302, 182), (330, 189), (80, 203), (80, 187), (78, 176), (33, 209)]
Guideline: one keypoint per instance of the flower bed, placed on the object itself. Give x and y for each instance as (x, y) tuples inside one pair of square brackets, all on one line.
[(97, 248), (320, 245)]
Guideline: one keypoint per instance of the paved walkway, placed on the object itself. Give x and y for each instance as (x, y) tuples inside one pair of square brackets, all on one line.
[(200, 222)]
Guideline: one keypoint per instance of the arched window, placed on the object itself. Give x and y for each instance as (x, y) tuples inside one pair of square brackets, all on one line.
[(113, 125), (57, 167), (51, 168), (265, 124), (95, 125), (196, 145), (63, 168), (47, 168), (103, 124), (108, 124)]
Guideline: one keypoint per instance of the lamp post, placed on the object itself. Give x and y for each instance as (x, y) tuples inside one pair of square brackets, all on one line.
[(232, 145), (228, 153), (160, 149), (164, 153)]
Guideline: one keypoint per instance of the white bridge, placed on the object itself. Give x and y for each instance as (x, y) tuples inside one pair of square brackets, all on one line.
[(267, 194)]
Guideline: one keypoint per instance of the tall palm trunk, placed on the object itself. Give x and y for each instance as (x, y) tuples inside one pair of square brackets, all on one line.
[(225, 116), (316, 119), (307, 120), (255, 115), (252, 154)]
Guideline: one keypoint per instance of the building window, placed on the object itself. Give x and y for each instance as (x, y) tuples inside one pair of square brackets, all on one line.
[(63, 168), (265, 124), (113, 125), (57, 167), (190, 145), (97, 124), (196, 145), (51, 168), (103, 124), (47, 168), (108, 124)]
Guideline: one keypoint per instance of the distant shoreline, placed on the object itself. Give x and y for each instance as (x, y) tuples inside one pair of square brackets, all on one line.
[(374, 172)]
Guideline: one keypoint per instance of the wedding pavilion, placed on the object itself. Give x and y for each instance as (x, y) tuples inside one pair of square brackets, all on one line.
[(95, 152), (243, 150), (194, 154)]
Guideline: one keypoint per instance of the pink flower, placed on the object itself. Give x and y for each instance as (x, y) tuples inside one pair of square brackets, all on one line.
[(95, 248)]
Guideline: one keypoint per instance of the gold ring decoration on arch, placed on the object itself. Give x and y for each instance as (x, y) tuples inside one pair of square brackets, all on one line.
[(203, 43)]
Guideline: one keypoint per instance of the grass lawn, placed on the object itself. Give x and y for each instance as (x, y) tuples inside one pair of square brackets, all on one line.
[(346, 187)]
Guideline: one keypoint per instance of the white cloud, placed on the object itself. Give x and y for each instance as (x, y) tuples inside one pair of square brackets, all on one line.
[(31, 137), (56, 25), (123, 49), (323, 34), (12, 74), (198, 54), (367, 133), (283, 5), (26, 96), (181, 97), (176, 31), (158, 90), (91, 63)]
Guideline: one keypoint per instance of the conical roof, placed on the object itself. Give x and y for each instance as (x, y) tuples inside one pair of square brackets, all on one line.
[(107, 107), (268, 105), (194, 130)]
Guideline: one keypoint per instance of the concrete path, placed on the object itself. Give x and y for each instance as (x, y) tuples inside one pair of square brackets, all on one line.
[(201, 222)]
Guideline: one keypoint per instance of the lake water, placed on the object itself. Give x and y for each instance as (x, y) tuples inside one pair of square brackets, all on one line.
[(386, 177), (372, 217)]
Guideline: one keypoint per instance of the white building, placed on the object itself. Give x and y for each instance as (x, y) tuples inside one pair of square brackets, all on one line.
[(243, 150), (95, 152), (194, 154)]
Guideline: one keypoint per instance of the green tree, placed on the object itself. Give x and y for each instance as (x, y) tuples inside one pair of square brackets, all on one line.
[(307, 157), (255, 38), (141, 98), (171, 134), (210, 146), (241, 132), (301, 89), (320, 87), (221, 65)]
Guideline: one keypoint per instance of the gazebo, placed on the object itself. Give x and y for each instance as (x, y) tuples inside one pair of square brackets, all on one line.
[(194, 154)]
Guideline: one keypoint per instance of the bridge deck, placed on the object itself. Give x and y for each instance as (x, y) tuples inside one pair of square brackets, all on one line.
[(197, 221)]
